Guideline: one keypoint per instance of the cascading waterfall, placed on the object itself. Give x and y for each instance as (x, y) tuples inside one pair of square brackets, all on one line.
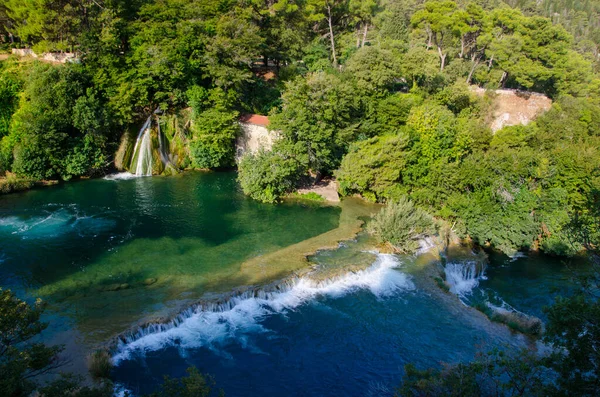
[(235, 317), (142, 160), (162, 149), (464, 276), (142, 153)]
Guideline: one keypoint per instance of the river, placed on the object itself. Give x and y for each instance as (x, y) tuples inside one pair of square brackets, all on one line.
[(187, 270)]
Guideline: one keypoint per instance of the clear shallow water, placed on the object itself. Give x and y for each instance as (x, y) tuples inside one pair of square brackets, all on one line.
[(108, 252)]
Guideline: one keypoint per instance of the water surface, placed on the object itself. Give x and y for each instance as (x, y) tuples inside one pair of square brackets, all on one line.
[(109, 252)]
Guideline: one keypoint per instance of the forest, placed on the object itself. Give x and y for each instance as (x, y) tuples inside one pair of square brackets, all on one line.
[(375, 93)]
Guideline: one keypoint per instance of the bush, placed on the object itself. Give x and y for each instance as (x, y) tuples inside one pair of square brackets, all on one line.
[(100, 364), (267, 176), (518, 321), (401, 225), (12, 183), (308, 196)]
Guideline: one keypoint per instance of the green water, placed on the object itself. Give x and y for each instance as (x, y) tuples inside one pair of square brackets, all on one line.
[(109, 253)]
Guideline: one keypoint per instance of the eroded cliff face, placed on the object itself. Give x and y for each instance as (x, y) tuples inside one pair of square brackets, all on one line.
[(254, 136), (513, 107)]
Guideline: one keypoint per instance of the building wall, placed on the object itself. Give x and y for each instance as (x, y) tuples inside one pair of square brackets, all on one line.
[(253, 138)]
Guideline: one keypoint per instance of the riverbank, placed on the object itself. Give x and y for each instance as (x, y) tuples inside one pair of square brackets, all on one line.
[(11, 183)]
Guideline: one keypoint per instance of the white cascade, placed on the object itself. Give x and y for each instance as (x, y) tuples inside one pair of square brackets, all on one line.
[(215, 323), (463, 277), (142, 153)]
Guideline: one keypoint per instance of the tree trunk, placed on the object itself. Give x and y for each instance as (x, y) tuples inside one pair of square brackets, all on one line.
[(330, 21), (358, 37), (503, 79), (473, 67), (442, 58), (462, 47), (490, 62), (266, 60), (364, 39)]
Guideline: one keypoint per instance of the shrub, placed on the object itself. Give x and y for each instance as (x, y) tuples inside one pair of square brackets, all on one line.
[(12, 183), (401, 225), (100, 364), (308, 196), (518, 321), (266, 176)]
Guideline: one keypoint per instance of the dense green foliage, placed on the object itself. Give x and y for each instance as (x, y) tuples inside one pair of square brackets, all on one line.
[(214, 129), (21, 358), (61, 127), (401, 224)]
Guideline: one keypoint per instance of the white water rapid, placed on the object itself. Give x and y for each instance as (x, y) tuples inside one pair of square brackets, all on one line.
[(212, 324), (463, 277)]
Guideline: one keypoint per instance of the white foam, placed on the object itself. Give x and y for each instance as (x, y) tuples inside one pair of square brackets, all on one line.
[(425, 245), (463, 277), (55, 223), (49, 225), (120, 176), (517, 255), (241, 316)]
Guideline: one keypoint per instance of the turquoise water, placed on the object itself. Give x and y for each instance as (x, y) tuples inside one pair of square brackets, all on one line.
[(108, 252), (350, 335), (109, 255)]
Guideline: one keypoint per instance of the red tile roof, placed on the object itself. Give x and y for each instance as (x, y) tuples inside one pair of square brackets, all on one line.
[(255, 119)]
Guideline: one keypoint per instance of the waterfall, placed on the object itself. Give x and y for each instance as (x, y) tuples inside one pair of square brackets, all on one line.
[(235, 317), (142, 153), (164, 155), (141, 163), (463, 277)]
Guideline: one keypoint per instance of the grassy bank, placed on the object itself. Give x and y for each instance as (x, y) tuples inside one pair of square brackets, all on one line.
[(12, 183)]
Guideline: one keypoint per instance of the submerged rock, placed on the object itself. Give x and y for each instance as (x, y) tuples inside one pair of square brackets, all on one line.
[(116, 287)]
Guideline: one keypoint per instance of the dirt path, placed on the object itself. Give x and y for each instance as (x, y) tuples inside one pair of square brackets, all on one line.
[(326, 188)]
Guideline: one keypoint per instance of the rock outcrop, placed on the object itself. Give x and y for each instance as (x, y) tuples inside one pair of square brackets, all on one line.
[(514, 107), (52, 57)]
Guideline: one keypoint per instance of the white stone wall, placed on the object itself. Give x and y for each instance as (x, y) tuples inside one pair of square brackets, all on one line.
[(252, 139)]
